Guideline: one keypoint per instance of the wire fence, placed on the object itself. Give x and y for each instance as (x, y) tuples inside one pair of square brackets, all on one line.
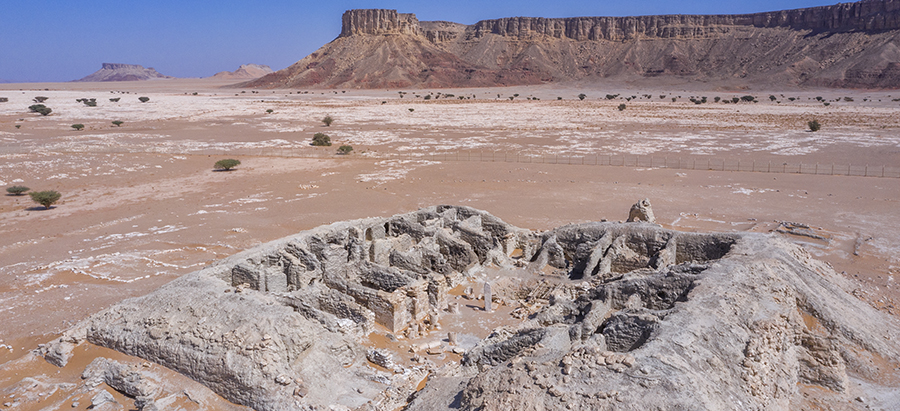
[(675, 162)]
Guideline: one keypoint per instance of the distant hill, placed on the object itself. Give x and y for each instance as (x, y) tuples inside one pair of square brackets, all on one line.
[(124, 72), (844, 45), (245, 71)]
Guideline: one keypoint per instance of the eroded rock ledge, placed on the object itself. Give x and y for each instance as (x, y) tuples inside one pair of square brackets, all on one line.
[(596, 315)]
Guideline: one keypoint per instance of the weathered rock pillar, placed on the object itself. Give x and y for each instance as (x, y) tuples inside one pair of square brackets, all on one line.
[(488, 305), (452, 338)]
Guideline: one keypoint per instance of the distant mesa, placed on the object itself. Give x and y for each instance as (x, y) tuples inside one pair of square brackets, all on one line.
[(844, 45), (245, 71), (124, 72)]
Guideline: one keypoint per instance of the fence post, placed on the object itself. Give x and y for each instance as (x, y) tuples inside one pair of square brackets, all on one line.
[(800, 169), (867, 170)]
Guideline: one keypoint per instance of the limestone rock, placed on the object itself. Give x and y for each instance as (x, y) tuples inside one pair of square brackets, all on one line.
[(634, 316)]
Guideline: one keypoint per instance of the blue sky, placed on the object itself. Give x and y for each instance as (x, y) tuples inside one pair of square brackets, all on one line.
[(62, 40)]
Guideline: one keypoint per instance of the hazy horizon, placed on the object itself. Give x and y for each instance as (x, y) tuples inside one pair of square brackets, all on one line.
[(65, 41)]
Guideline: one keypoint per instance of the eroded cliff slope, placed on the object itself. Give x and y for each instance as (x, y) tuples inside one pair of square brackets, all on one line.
[(845, 45)]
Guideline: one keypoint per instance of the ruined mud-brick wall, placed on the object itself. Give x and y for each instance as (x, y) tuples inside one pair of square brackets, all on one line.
[(399, 269)]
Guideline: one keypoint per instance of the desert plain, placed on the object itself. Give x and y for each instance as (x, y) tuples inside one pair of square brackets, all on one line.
[(142, 204)]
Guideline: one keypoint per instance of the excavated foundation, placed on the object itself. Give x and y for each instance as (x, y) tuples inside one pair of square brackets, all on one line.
[(356, 315)]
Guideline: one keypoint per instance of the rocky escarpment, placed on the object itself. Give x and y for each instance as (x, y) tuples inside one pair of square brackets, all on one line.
[(245, 71), (123, 72), (597, 316), (845, 45)]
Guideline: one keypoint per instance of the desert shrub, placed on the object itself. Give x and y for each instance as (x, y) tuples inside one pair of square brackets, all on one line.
[(327, 121), (814, 125), (611, 96), (4, 99), (582, 96), (748, 98), (345, 149), (819, 98), (411, 110), (848, 99), (18, 126), (40, 108), (115, 100), (428, 97), (662, 96), (227, 164), (621, 107), (791, 98), (321, 139), (118, 123), (826, 104), (735, 99), (270, 111), (41, 99), (144, 99), (516, 95), (559, 98), (717, 99), (17, 190), (673, 99), (78, 127), (45, 198), (772, 97)]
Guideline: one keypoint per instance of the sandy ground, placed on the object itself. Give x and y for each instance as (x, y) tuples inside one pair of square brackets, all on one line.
[(141, 204)]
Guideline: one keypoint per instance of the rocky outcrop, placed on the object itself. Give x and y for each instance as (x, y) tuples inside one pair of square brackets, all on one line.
[(378, 22), (123, 72), (845, 45), (245, 71), (605, 314), (864, 16)]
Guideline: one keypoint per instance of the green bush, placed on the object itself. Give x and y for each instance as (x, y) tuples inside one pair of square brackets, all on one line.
[(144, 99), (321, 140), (270, 111), (17, 190), (41, 99), (115, 100), (411, 110), (345, 149), (45, 198), (582, 96), (611, 96), (735, 99), (772, 98), (227, 164), (327, 121), (673, 99), (40, 108), (621, 107), (814, 125), (748, 98), (78, 127), (118, 123)]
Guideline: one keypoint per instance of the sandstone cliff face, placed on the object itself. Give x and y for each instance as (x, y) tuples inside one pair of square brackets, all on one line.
[(845, 45), (378, 22), (862, 16)]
